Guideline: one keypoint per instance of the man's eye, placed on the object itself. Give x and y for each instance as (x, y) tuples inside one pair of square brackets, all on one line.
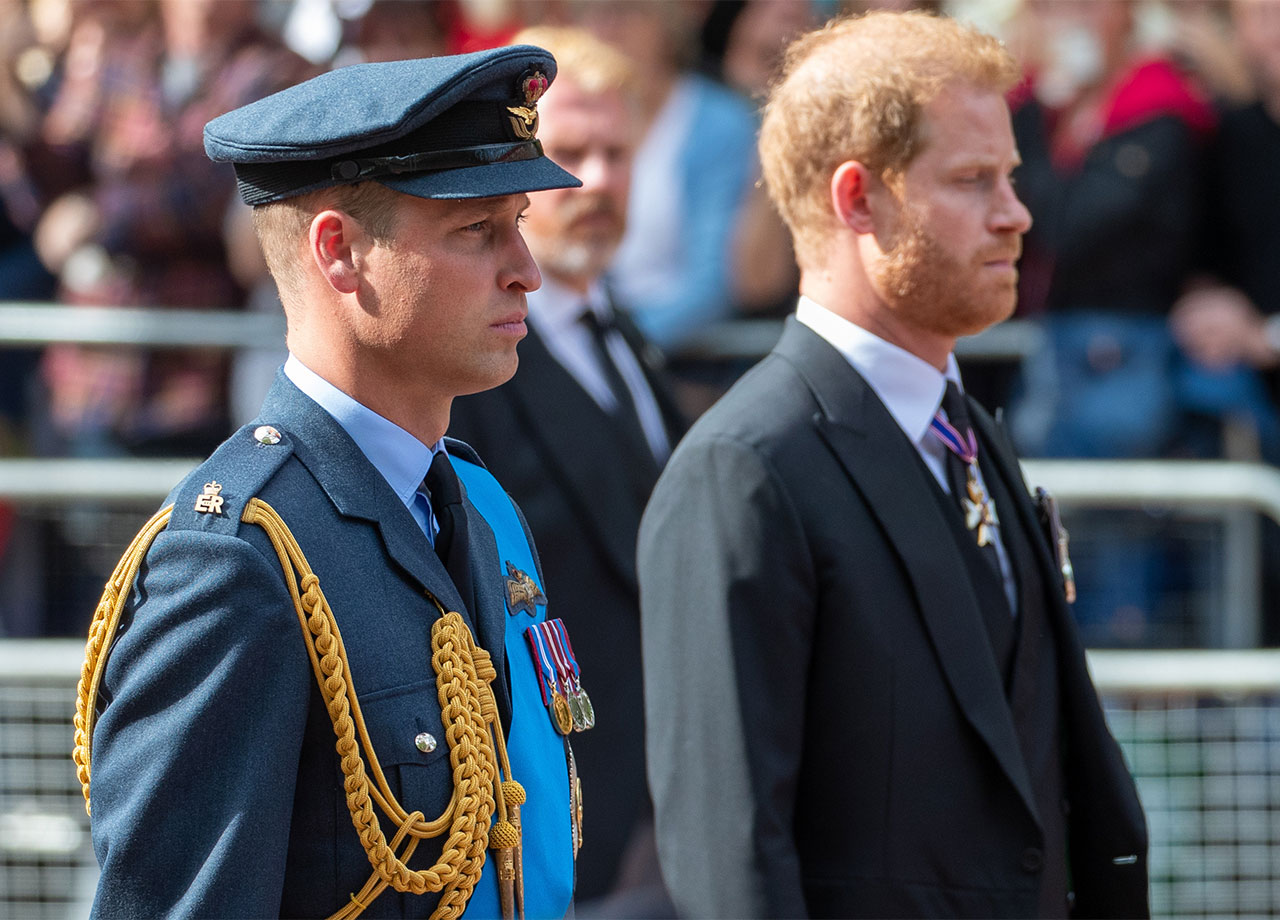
[(478, 227)]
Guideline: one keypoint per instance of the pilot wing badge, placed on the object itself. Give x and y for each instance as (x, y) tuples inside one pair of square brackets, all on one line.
[(523, 593), (524, 118)]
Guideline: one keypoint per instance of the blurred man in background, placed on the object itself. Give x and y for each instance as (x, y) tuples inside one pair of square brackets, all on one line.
[(578, 437)]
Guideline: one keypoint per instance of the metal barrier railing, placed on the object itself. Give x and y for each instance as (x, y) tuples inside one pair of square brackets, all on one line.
[(47, 867), (32, 324), (1231, 493), (1201, 733)]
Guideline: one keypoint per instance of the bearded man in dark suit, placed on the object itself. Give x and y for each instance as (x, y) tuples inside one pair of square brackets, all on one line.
[(865, 693), (578, 437)]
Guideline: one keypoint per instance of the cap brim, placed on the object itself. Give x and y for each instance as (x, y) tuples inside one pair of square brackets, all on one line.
[(487, 181)]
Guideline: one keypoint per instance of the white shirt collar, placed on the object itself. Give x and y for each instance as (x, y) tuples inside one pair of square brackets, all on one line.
[(910, 387), (400, 457), (554, 306)]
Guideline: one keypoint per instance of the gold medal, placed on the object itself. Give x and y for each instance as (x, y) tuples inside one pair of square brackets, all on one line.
[(561, 717)]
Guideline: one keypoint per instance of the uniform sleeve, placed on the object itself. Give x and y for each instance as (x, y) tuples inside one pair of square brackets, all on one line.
[(727, 598), (196, 753)]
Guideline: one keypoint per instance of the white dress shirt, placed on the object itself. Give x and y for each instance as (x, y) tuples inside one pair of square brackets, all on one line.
[(555, 312), (911, 389)]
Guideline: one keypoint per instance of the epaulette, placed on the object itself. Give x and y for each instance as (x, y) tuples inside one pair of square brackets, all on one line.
[(213, 496)]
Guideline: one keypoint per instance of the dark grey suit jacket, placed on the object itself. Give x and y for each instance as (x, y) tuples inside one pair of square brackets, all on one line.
[(582, 489), (828, 731)]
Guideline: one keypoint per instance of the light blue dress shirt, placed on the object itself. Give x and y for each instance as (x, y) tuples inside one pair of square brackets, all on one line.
[(401, 458)]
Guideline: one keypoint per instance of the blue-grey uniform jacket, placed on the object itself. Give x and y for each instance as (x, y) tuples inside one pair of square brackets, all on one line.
[(216, 789)]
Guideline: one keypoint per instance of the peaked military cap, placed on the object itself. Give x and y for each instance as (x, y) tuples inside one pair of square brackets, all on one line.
[(458, 126)]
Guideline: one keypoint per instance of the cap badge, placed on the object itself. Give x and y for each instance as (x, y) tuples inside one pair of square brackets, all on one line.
[(524, 118), (210, 501), (523, 593)]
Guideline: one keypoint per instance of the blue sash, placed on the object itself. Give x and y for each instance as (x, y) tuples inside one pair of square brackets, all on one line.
[(538, 754)]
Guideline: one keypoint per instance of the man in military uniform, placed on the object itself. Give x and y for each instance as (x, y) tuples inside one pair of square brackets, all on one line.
[(865, 693), (337, 569)]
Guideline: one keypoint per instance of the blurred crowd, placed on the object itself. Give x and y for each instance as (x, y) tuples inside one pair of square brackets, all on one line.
[(1147, 132)]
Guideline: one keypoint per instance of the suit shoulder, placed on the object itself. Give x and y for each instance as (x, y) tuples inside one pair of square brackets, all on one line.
[(763, 408), (213, 496), (480, 420)]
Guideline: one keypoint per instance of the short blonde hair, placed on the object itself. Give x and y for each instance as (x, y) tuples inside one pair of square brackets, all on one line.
[(854, 90), (593, 65), (281, 226)]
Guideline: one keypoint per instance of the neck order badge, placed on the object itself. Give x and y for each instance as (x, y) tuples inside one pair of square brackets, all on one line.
[(979, 512)]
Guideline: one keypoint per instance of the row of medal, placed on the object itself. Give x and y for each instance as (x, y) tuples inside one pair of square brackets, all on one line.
[(559, 677)]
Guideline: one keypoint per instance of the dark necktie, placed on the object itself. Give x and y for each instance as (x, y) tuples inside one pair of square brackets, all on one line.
[(625, 413), (442, 487)]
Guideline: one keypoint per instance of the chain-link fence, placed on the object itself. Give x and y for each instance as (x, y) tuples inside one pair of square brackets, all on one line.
[(1202, 738)]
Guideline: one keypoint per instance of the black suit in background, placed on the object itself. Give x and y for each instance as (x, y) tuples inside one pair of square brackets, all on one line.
[(582, 483), (834, 729)]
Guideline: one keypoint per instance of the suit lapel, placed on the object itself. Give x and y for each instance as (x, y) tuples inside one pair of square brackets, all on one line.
[(884, 466), (554, 406), (356, 488)]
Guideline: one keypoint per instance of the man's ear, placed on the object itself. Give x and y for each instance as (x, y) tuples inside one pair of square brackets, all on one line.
[(331, 241), (850, 185)]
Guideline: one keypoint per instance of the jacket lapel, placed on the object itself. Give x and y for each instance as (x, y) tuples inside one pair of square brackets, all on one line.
[(572, 434), (356, 488), (886, 469)]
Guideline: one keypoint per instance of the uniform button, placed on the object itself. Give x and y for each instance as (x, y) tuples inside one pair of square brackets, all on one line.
[(1032, 859), (425, 742), (265, 434)]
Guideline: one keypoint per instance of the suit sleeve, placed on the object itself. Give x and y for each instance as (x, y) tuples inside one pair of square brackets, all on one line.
[(727, 599), (196, 753)]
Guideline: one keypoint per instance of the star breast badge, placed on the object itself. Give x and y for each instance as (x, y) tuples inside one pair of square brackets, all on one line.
[(523, 593), (524, 118)]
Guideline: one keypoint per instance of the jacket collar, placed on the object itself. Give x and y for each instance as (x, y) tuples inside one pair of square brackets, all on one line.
[(355, 487)]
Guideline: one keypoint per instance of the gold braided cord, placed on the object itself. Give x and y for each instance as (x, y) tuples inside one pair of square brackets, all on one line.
[(101, 631), (469, 714)]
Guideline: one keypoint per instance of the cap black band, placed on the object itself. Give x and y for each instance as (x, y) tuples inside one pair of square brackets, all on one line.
[(356, 170), (261, 183)]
